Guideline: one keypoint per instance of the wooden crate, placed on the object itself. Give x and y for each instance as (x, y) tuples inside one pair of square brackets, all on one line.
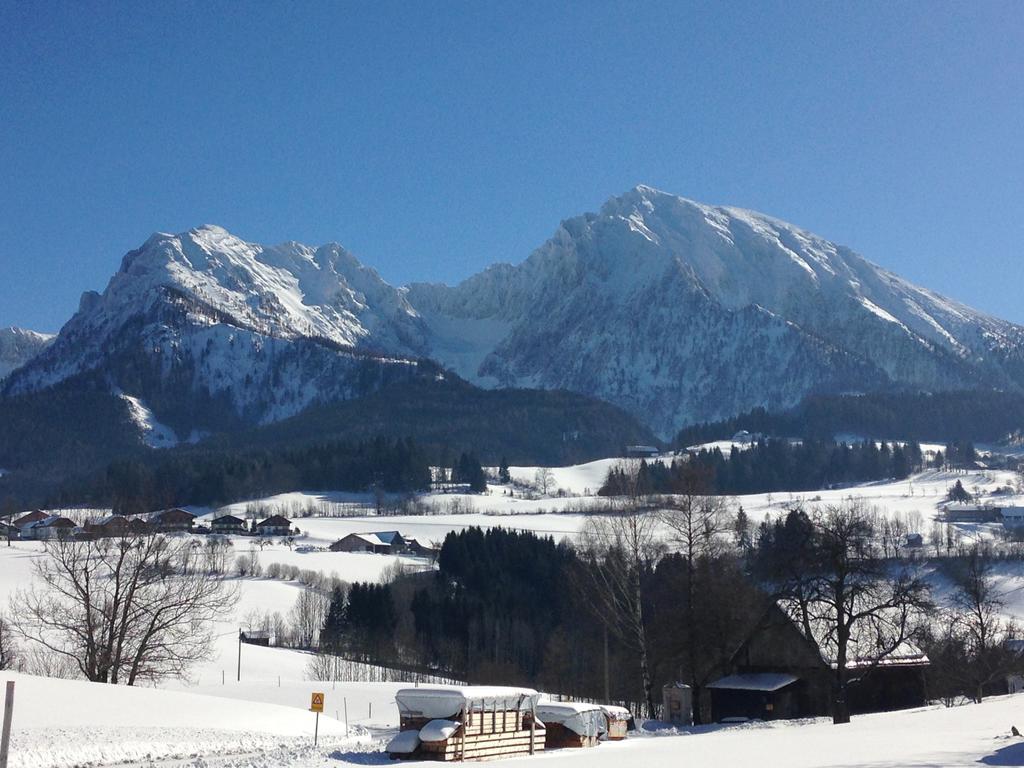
[(560, 737)]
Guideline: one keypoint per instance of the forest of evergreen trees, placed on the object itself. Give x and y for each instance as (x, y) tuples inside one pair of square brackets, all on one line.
[(769, 465), (979, 416), (211, 477)]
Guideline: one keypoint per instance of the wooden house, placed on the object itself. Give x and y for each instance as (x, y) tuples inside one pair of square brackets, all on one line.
[(778, 673), (274, 526), (171, 520), (379, 542), (228, 524), (9, 532), (468, 723), (572, 724)]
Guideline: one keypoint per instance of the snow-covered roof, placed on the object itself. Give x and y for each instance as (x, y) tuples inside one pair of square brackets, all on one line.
[(754, 681), (447, 701), (377, 539), (584, 719), (614, 711)]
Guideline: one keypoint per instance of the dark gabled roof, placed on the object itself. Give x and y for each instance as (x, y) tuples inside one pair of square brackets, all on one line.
[(228, 519), (274, 522), (30, 517)]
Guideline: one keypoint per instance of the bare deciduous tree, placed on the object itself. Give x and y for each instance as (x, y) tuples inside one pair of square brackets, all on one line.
[(853, 606), (697, 525), (619, 549), (8, 648), (307, 617), (122, 610)]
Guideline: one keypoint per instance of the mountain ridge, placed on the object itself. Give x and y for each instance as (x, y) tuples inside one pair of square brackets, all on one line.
[(677, 311)]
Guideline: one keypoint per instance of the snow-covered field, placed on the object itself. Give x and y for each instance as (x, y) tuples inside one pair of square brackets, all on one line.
[(61, 723), (261, 721)]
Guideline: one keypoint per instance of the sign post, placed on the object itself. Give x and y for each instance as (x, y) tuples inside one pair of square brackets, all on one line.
[(316, 704)]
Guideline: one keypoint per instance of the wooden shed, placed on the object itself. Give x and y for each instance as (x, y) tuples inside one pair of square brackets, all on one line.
[(571, 724), (466, 723)]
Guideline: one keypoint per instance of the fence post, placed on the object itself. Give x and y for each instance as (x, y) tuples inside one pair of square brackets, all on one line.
[(5, 737)]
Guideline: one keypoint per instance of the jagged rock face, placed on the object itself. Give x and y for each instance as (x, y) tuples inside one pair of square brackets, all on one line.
[(683, 312), (18, 346), (677, 311)]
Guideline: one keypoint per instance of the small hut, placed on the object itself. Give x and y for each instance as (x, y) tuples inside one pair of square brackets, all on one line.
[(571, 724), (466, 723), (677, 702)]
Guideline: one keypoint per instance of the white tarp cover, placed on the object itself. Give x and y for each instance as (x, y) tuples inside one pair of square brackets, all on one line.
[(442, 702), (754, 681), (405, 743), (438, 730), (584, 719), (616, 713)]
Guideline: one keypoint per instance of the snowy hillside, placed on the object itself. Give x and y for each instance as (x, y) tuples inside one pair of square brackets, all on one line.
[(674, 310), (18, 346)]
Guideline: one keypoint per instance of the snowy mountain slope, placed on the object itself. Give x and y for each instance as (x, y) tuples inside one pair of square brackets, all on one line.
[(682, 312), (676, 311), (18, 346)]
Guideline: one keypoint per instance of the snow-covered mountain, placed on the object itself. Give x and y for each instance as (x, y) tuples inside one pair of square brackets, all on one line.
[(674, 310), (683, 312), (203, 331), (18, 346)]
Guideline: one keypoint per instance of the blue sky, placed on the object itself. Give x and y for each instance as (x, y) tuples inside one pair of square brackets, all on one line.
[(435, 138)]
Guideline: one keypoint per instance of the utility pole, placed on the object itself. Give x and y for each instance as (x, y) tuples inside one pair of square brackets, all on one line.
[(607, 695), (239, 678)]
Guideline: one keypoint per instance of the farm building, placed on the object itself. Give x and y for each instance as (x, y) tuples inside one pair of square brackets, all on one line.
[(778, 673), (1013, 517), (228, 524), (32, 517), (9, 531), (422, 549), (470, 723), (571, 724), (107, 526), (380, 542), (169, 520), (970, 513), (274, 526), (52, 527)]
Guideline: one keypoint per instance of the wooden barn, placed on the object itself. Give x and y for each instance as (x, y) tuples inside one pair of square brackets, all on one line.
[(777, 673), (572, 724), (379, 542), (468, 723)]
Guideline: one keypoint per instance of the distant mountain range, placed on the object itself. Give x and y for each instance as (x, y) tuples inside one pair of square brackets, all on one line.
[(675, 311)]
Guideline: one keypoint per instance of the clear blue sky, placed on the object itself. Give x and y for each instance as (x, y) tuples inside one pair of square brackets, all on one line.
[(435, 138)]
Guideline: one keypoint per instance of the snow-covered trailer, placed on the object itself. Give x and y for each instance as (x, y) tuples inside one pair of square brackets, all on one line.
[(571, 724), (618, 719), (466, 723)]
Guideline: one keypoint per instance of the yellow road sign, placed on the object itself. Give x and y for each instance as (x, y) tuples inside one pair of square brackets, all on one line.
[(317, 703)]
